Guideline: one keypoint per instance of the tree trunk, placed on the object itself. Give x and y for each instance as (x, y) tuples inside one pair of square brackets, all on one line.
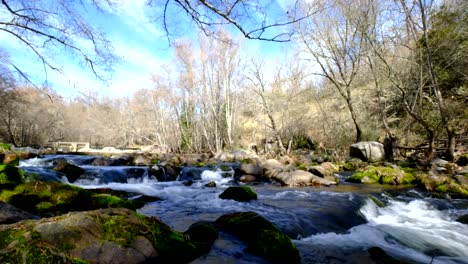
[(451, 143)]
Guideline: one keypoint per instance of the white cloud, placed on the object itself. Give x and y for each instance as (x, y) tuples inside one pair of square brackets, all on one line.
[(133, 13)]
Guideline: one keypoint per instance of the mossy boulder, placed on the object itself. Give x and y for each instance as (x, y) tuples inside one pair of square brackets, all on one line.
[(72, 171), (203, 234), (46, 198), (262, 237), (382, 175), (239, 193), (10, 175), (10, 214), (114, 235)]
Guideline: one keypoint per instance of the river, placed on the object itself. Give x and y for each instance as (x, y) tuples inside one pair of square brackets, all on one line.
[(327, 224)]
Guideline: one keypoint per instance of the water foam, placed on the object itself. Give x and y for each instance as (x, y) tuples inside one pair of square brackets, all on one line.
[(413, 230)]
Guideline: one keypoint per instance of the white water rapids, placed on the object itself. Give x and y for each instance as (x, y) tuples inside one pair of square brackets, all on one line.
[(413, 231), (334, 222)]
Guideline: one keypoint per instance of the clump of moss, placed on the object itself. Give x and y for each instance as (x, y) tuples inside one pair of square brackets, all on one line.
[(45, 198), (382, 175), (5, 147), (25, 246), (11, 175)]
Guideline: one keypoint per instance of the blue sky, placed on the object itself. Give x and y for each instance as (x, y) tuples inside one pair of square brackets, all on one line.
[(141, 43)]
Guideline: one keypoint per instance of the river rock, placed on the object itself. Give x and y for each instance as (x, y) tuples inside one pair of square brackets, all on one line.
[(301, 178), (263, 238), (463, 219), (10, 214), (248, 178), (10, 175), (115, 235), (371, 151), (46, 198), (251, 169), (141, 160), (211, 184), (203, 234), (380, 256), (382, 175), (71, 171), (239, 193)]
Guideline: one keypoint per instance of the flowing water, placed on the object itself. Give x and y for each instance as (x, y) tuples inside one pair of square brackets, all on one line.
[(327, 224)]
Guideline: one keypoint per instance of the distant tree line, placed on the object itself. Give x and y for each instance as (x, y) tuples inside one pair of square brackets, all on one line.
[(356, 70)]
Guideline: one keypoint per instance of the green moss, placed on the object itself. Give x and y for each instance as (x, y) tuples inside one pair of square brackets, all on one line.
[(225, 168), (11, 175), (302, 166), (200, 164), (452, 188), (264, 238), (239, 193), (110, 201), (382, 175), (5, 146), (376, 201), (275, 246), (28, 248), (118, 230), (364, 177), (45, 198)]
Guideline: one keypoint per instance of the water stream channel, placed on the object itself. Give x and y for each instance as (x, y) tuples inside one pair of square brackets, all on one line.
[(327, 224)]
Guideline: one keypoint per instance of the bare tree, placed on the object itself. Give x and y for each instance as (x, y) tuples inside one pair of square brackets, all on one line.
[(49, 27), (335, 42), (259, 84), (261, 20)]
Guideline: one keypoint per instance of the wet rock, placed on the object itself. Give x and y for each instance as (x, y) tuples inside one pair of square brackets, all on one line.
[(248, 178), (145, 199), (10, 175), (382, 175), (158, 172), (10, 214), (463, 219), (211, 184), (262, 237), (187, 183), (380, 256), (371, 151), (71, 171), (115, 235), (203, 234), (191, 173), (239, 193)]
